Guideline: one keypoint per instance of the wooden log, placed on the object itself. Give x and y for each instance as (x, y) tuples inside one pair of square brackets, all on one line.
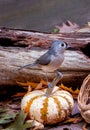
[(14, 37), (24, 38), (74, 68)]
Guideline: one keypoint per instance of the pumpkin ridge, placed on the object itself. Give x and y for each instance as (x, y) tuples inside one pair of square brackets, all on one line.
[(63, 92), (69, 103), (57, 102), (44, 110), (29, 103)]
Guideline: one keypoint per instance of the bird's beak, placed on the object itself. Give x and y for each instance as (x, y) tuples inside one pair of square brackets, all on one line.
[(70, 48)]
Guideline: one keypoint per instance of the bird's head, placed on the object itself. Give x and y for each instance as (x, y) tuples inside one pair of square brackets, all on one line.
[(59, 46)]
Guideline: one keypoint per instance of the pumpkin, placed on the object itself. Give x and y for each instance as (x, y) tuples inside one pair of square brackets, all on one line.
[(48, 109)]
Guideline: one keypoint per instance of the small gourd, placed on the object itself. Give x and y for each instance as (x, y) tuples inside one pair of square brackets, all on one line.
[(48, 108)]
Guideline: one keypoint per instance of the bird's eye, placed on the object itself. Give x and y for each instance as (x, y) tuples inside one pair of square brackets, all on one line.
[(62, 45)]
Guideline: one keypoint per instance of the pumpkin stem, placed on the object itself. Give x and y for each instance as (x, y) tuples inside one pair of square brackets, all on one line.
[(49, 91), (52, 84)]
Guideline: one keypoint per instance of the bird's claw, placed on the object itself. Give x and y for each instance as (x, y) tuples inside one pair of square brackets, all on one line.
[(59, 74), (50, 85)]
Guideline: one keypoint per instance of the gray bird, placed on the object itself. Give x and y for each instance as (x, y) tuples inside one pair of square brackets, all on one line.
[(52, 59)]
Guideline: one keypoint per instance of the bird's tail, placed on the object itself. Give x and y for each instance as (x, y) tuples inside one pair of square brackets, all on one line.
[(26, 66)]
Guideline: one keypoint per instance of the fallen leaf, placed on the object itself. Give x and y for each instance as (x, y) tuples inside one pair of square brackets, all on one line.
[(14, 106), (39, 86), (32, 85), (69, 89), (19, 94), (36, 125), (19, 123), (5, 116), (67, 27), (84, 29), (73, 120)]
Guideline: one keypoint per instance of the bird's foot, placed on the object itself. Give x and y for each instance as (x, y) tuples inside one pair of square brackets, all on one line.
[(59, 74), (50, 85)]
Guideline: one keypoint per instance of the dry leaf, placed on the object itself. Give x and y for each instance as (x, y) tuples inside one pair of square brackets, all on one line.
[(31, 85), (69, 89), (67, 27), (19, 94)]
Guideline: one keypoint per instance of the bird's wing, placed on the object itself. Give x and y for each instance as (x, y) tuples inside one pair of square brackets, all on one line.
[(44, 59)]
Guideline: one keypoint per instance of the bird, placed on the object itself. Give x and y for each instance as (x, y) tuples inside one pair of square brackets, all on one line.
[(51, 60)]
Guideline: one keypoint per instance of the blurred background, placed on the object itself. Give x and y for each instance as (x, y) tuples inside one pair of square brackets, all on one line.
[(42, 15)]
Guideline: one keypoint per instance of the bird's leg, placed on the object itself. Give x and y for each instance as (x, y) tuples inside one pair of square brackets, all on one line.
[(48, 83), (53, 83), (50, 87), (57, 78)]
